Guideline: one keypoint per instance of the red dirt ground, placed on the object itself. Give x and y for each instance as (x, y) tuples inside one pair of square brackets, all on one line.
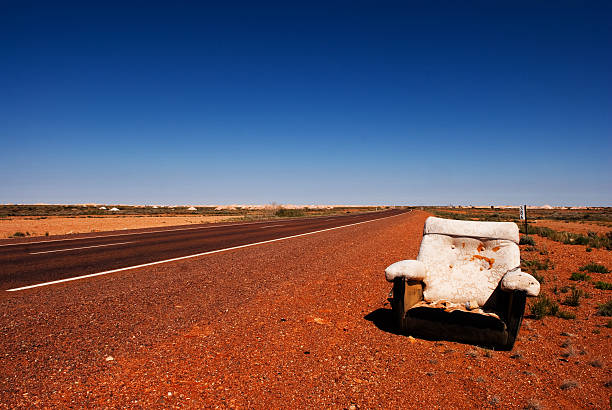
[(302, 322)]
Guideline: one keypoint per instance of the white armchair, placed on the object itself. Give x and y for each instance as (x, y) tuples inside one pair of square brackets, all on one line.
[(469, 270)]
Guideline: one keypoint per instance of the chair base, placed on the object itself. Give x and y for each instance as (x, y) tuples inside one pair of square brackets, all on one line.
[(460, 326)]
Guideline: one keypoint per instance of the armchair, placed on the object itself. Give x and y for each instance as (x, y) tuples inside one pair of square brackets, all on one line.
[(466, 283)]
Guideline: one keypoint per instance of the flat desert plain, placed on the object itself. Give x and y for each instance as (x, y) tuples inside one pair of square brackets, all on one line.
[(62, 225)]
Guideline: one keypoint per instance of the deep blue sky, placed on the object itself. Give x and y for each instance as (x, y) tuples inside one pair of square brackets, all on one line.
[(305, 102)]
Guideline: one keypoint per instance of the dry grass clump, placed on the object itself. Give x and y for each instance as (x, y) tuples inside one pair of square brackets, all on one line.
[(594, 268)]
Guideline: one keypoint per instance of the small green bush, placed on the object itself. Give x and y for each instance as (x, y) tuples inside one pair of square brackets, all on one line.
[(579, 276), (605, 309), (609, 324), (526, 240), (573, 299), (565, 315), (543, 306), (19, 234), (536, 264), (289, 212), (603, 285), (539, 278), (530, 249), (594, 268)]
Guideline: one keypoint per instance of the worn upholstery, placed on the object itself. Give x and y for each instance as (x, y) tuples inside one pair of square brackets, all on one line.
[(464, 261)]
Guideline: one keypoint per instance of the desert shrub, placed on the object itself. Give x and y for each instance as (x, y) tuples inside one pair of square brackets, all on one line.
[(535, 264), (530, 249), (588, 249), (605, 309), (609, 324), (539, 278), (19, 234), (543, 306), (573, 299), (603, 285), (283, 212), (564, 289), (594, 268), (562, 314), (527, 240), (579, 276)]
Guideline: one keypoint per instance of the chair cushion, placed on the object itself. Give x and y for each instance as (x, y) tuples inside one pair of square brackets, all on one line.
[(464, 269), (473, 229)]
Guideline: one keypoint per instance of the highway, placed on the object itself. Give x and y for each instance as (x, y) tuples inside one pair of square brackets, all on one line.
[(38, 262)]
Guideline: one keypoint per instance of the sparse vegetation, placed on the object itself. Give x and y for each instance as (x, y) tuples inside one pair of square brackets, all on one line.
[(605, 309), (18, 234), (603, 285), (535, 264), (594, 268), (573, 299), (592, 240), (539, 278), (526, 240), (580, 276), (562, 314), (544, 306), (285, 213)]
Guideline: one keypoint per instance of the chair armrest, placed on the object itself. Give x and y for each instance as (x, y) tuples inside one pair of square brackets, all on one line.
[(518, 280), (408, 269)]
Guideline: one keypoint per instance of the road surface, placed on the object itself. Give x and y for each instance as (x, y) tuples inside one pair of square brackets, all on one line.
[(36, 263)]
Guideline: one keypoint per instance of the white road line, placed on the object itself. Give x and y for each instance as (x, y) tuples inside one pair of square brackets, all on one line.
[(140, 233), (192, 256), (82, 247)]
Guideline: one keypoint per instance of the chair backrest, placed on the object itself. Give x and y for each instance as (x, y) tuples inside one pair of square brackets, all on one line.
[(465, 260)]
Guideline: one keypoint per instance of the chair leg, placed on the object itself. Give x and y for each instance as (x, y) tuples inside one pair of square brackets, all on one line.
[(405, 295), (516, 311), (399, 309)]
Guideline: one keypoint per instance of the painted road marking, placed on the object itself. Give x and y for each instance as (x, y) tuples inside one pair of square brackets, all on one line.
[(193, 256), (82, 247), (160, 231)]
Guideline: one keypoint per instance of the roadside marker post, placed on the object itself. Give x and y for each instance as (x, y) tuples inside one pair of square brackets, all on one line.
[(523, 216)]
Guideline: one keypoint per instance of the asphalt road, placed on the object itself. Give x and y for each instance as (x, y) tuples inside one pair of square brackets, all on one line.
[(38, 262)]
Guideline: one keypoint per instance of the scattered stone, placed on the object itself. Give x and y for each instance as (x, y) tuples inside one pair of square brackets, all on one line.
[(533, 405), (109, 358), (568, 384)]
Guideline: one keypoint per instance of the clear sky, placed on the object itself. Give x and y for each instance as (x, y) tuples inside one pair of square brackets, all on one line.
[(375, 102)]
